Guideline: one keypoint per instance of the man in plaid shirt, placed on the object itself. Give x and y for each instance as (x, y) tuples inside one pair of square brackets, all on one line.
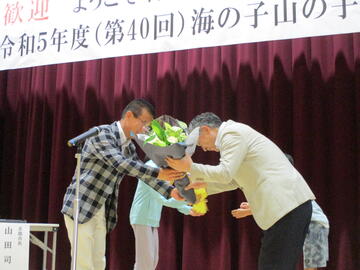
[(105, 159)]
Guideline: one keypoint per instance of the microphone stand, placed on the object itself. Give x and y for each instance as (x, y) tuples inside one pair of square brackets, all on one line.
[(76, 207), (78, 141)]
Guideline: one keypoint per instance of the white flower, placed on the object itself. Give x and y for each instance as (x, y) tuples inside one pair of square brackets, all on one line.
[(157, 141), (172, 139), (175, 128)]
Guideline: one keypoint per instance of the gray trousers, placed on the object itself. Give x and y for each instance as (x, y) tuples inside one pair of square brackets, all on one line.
[(146, 247)]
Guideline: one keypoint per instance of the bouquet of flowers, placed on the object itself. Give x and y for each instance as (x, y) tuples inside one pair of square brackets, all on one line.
[(168, 138)]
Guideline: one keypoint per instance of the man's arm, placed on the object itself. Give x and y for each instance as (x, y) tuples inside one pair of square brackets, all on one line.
[(104, 148), (214, 188), (232, 152)]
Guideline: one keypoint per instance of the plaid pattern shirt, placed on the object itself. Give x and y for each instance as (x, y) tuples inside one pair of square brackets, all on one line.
[(105, 160)]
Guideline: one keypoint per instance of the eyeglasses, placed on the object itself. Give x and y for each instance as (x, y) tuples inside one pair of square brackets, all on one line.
[(143, 122)]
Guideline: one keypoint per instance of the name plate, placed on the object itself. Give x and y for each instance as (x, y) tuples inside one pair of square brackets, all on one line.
[(14, 246)]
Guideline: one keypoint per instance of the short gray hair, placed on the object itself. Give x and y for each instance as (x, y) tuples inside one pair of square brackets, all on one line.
[(205, 119)]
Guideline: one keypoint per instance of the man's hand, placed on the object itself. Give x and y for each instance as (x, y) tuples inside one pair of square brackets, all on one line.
[(182, 165), (243, 211), (196, 185), (195, 214), (176, 195), (170, 174), (240, 213), (245, 205)]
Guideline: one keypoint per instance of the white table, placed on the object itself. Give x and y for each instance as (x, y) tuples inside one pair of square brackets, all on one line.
[(46, 228)]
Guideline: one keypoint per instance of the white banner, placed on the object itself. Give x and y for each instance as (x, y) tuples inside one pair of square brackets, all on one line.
[(42, 32), (14, 246)]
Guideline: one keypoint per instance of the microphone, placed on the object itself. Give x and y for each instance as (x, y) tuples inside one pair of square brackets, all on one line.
[(82, 137)]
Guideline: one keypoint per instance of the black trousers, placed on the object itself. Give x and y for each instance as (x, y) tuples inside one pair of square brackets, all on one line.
[(282, 243)]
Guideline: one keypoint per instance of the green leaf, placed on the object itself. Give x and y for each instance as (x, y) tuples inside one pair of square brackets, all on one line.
[(182, 137), (165, 136), (167, 126), (150, 138), (182, 124), (159, 131)]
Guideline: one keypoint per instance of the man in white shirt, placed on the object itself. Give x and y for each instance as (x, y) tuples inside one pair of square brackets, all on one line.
[(280, 198)]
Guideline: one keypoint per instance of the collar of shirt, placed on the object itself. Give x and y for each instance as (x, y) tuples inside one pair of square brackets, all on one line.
[(217, 140), (123, 140)]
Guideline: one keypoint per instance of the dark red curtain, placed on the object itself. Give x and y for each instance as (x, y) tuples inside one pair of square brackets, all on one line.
[(304, 94)]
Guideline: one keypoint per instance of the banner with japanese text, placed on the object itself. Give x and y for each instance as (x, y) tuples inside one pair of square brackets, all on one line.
[(43, 32), (14, 246)]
